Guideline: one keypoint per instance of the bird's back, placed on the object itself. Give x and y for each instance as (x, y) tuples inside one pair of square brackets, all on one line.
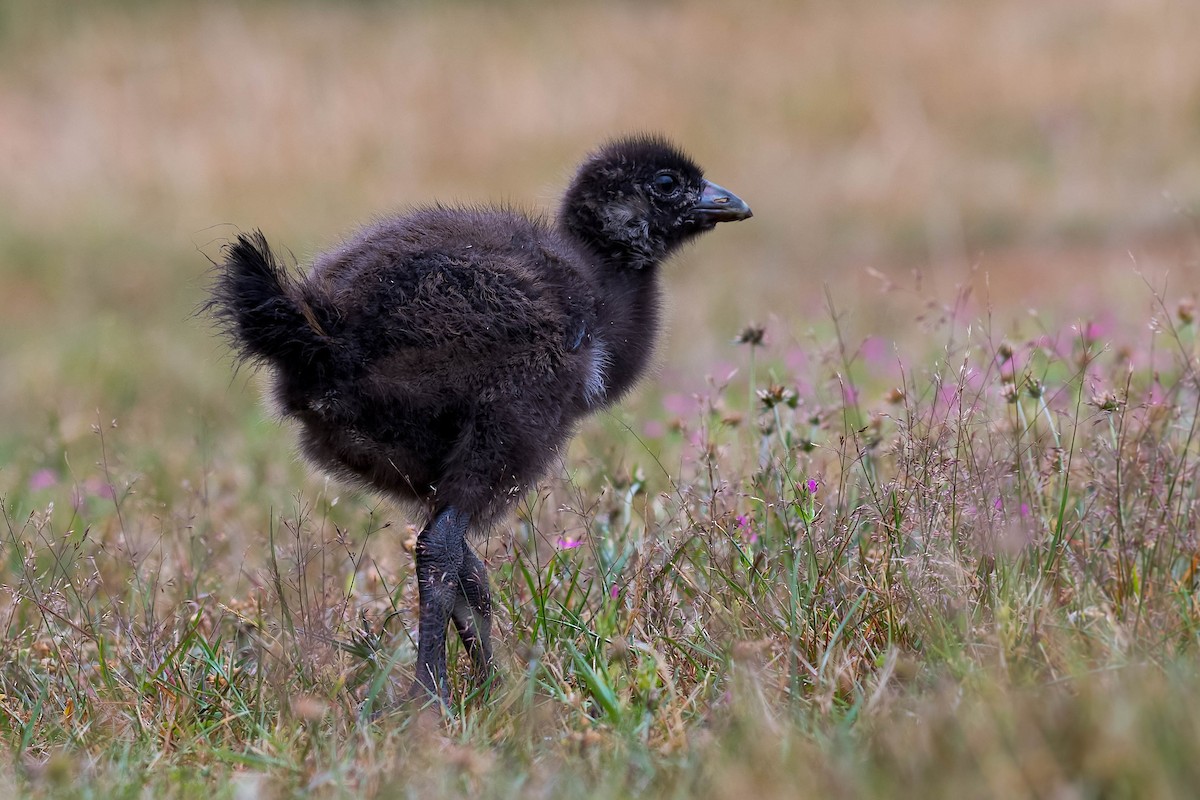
[(459, 301), (458, 348)]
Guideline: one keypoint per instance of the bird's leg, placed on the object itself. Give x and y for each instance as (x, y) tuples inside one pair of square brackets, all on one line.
[(439, 555), (472, 614)]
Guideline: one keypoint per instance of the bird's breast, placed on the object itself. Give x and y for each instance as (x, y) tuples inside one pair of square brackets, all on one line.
[(595, 384)]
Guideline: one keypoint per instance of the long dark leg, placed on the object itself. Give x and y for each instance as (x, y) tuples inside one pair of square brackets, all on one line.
[(472, 613), (440, 550)]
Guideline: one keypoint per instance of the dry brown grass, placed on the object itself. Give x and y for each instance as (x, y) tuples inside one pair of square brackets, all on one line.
[(989, 597)]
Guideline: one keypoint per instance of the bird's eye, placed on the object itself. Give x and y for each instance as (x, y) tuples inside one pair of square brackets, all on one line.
[(665, 184)]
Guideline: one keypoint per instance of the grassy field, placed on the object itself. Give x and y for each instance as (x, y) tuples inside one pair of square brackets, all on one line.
[(933, 533)]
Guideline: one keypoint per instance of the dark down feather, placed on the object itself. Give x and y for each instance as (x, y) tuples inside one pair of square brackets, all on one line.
[(445, 356)]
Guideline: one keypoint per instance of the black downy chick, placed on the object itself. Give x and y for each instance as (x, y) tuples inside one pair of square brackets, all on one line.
[(444, 357)]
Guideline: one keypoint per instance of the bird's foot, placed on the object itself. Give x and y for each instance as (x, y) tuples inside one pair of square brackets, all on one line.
[(421, 696)]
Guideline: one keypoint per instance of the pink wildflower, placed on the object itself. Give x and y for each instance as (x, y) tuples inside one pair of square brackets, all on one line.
[(42, 479), (97, 487), (874, 350), (1097, 328), (742, 524), (653, 429), (680, 405), (796, 359)]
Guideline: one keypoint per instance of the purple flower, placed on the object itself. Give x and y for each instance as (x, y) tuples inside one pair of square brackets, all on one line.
[(42, 479), (1096, 329), (653, 429), (567, 543), (948, 394), (999, 504), (811, 485), (724, 371), (680, 405), (796, 359), (874, 350), (96, 487), (614, 592), (742, 524)]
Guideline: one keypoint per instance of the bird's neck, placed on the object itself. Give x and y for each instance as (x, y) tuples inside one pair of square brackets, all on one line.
[(628, 320), (617, 241), (624, 271)]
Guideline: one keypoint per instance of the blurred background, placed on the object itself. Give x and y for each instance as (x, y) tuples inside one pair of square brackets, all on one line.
[(1044, 154)]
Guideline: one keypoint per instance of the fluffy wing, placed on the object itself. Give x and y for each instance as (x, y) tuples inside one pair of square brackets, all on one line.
[(458, 304)]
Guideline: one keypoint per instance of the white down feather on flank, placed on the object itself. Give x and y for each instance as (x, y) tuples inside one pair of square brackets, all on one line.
[(596, 384)]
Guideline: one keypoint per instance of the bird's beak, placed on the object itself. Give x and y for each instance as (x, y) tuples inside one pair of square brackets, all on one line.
[(718, 204)]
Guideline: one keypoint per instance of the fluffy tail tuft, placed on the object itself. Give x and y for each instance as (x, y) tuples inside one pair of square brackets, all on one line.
[(264, 313)]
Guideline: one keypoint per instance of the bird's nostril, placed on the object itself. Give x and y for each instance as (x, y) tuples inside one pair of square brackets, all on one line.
[(718, 204)]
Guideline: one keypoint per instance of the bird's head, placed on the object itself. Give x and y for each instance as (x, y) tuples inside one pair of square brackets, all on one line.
[(636, 199)]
